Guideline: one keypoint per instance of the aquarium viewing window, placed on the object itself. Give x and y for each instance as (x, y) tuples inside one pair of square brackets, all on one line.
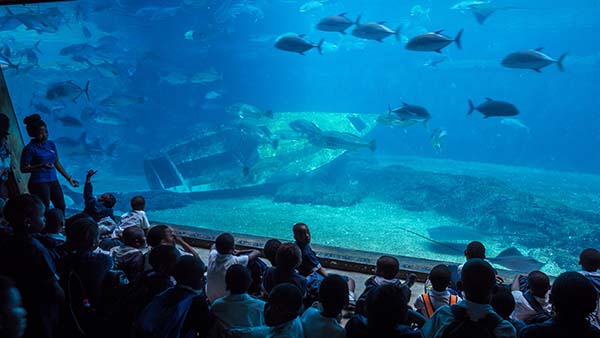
[(448, 123)]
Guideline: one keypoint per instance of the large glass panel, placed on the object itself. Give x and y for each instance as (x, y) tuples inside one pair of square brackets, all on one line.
[(208, 109)]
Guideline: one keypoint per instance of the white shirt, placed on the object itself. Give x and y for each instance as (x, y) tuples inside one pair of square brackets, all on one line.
[(438, 299), (523, 310), (217, 267), (316, 325), (132, 218)]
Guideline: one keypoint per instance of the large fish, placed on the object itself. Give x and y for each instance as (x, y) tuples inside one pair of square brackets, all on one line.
[(109, 118), (248, 111), (532, 59), (481, 9), (433, 42), (335, 23), (67, 89), (513, 259), (373, 30), (410, 113), (339, 140), (491, 108), (297, 44), (305, 127), (69, 121)]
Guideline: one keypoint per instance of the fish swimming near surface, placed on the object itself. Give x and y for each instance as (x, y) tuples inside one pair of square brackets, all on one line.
[(120, 100), (481, 9), (297, 44), (335, 23), (310, 6), (433, 42), (513, 259), (532, 59), (492, 107), (515, 123), (305, 127), (411, 113), (374, 30), (67, 89), (340, 140)]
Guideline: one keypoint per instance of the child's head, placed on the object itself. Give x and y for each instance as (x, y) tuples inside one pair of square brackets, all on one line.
[(478, 280), (333, 295), (387, 267), (475, 249), (189, 271), (270, 250), (71, 220), (573, 297), (502, 302), (25, 214), (163, 258), (55, 221), (440, 277), (12, 314), (138, 203), (284, 304), (301, 234), (238, 279), (225, 243), (386, 308), (83, 235), (160, 234), (589, 259), (538, 283), (108, 200), (288, 256), (134, 237)]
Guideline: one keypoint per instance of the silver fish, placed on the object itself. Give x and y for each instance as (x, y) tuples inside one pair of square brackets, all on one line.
[(433, 42), (532, 59)]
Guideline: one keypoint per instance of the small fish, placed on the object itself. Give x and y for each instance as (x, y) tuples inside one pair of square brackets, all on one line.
[(310, 6), (212, 95), (494, 108), (335, 23), (67, 89), (190, 35), (436, 138), (513, 259), (206, 77), (69, 121), (434, 63), (515, 123), (433, 42), (374, 30), (532, 59), (119, 100), (248, 111), (107, 69), (297, 44), (174, 78)]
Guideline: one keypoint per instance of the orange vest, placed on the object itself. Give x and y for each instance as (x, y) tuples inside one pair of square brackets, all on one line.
[(429, 306)]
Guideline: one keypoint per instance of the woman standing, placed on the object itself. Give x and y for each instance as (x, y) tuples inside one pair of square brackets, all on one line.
[(40, 158)]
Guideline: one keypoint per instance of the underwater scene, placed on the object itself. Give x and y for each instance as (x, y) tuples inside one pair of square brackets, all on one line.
[(402, 127)]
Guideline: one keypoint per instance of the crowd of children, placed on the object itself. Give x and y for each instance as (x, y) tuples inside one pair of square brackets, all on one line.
[(96, 276)]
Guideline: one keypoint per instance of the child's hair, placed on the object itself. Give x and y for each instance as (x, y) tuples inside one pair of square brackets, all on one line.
[(589, 259), (21, 207), (156, 234), (502, 302), (573, 297), (478, 280), (538, 283), (298, 227), (55, 220), (134, 236), (387, 267), (83, 235), (386, 307), (440, 277), (138, 203), (225, 243), (189, 271), (333, 294), (163, 258), (238, 279), (284, 304), (270, 250), (475, 249), (110, 200), (71, 220), (288, 256)]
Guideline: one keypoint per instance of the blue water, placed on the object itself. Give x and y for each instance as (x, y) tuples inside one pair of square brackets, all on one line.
[(236, 38)]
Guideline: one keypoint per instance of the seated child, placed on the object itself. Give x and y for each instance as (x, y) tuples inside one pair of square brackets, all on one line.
[(288, 258), (238, 309), (589, 259), (532, 306), (222, 255), (12, 314), (311, 268), (98, 208), (55, 224), (439, 295), (129, 257), (282, 311), (164, 235), (135, 217), (321, 320), (503, 304), (270, 250)]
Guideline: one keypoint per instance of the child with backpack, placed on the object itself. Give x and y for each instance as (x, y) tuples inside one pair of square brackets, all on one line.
[(439, 294), (474, 316), (532, 306)]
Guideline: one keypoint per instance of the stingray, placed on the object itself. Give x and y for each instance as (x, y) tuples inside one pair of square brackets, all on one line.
[(513, 259)]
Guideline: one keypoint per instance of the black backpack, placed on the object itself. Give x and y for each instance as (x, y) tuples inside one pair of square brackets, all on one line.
[(541, 315), (463, 327)]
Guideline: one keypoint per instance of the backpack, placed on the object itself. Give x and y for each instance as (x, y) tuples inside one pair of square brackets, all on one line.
[(541, 315), (463, 327), (164, 316), (429, 304)]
